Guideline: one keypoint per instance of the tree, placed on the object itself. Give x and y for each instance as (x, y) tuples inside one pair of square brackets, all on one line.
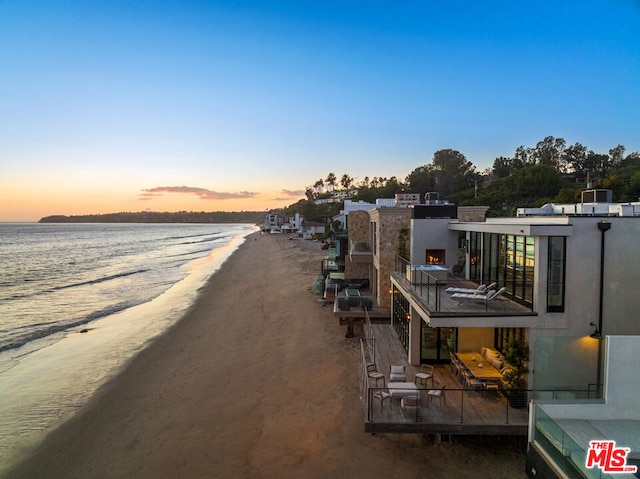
[(346, 181), (550, 152), (502, 167), (576, 159), (421, 180), (616, 154), (452, 171), (331, 180)]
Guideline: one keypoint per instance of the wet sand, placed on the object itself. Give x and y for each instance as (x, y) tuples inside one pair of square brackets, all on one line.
[(256, 381)]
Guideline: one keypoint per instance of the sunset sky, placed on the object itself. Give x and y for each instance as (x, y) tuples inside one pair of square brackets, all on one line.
[(112, 106)]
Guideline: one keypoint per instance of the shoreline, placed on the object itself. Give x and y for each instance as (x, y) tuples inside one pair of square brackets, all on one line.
[(46, 383), (255, 380)]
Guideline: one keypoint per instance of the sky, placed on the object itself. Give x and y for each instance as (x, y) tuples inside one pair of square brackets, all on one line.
[(241, 105)]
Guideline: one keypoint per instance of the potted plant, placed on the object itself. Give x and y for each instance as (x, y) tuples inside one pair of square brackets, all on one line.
[(516, 355)]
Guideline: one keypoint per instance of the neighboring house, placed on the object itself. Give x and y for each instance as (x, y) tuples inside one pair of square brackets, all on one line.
[(560, 432), (273, 223), (292, 224), (560, 272), (311, 229), (276, 223), (407, 199)]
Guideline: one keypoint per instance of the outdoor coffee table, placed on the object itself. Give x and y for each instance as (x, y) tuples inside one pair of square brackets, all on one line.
[(398, 390)]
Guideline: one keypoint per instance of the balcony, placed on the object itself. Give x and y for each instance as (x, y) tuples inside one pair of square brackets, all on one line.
[(360, 252), (429, 291)]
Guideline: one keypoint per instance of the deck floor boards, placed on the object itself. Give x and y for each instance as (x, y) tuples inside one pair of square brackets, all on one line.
[(462, 411)]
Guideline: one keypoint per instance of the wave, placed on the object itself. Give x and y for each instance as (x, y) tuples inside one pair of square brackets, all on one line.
[(39, 331), (100, 280), (75, 285), (190, 253)]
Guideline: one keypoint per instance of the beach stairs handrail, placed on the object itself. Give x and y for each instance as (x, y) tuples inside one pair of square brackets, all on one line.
[(369, 335), (365, 360)]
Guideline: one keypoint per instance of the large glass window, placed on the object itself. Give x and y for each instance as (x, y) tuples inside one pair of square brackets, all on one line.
[(503, 335), (401, 311), (556, 274), (437, 343), (508, 260), (475, 254)]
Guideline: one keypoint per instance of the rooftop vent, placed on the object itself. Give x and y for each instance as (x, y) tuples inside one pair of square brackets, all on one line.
[(597, 196)]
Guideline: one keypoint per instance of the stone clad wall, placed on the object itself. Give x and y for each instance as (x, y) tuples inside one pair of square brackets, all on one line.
[(358, 225), (472, 213), (390, 221)]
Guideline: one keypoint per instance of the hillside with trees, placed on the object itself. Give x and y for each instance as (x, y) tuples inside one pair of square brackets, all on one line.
[(549, 172)]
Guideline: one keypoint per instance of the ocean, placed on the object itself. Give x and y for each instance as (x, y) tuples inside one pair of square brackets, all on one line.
[(77, 301)]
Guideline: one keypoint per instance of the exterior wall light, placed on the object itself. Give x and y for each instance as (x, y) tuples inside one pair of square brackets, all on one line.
[(596, 333)]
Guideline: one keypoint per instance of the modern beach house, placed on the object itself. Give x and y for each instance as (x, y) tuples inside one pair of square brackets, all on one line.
[(558, 279)]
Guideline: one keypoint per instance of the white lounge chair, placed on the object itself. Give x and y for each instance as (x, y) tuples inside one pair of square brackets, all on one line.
[(490, 296), (482, 289)]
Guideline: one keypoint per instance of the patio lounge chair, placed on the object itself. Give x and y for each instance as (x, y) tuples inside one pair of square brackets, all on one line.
[(490, 296), (482, 289)]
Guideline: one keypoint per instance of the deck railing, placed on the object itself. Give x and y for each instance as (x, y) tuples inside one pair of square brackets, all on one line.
[(464, 405), (457, 406), (433, 292)]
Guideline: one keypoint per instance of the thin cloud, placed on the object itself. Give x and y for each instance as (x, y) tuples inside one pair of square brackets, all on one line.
[(293, 192), (203, 193)]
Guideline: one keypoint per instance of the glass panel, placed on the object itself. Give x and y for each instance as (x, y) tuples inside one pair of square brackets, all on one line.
[(556, 274), (401, 317), (529, 268), (509, 263), (518, 271), (448, 342), (475, 255), (429, 343)]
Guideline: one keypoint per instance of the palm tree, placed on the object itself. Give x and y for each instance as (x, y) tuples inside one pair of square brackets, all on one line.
[(331, 180)]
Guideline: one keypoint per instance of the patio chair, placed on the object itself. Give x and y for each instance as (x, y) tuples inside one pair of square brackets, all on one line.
[(397, 374), (490, 385), (425, 375), (410, 404), (437, 393), (454, 366), (381, 395), (471, 382)]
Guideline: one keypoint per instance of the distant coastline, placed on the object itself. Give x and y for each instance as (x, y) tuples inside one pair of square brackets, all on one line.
[(253, 217)]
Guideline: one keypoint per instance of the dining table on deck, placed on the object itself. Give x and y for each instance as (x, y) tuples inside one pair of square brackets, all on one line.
[(479, 367)]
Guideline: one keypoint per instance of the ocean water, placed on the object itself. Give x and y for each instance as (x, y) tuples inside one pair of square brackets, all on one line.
[(77, 301)]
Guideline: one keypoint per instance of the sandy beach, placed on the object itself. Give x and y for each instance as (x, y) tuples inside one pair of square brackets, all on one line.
[(256, 381)]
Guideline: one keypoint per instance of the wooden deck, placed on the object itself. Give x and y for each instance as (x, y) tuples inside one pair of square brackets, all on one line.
[(465, 412)]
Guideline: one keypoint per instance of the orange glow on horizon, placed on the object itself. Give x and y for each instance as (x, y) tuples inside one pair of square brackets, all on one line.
[(26, 207)]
